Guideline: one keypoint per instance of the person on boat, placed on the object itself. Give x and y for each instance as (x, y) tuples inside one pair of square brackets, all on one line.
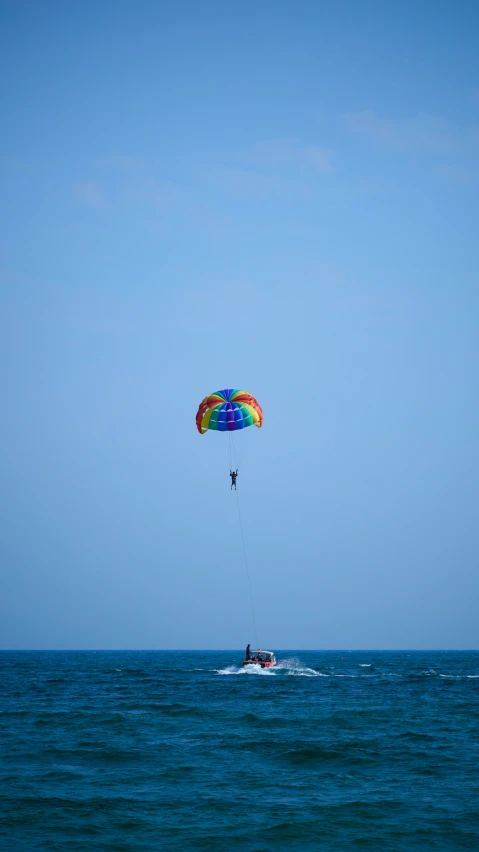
[(233, 474), (248, 655)]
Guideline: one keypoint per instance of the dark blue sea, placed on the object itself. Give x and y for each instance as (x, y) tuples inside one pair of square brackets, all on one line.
[(186, 751)]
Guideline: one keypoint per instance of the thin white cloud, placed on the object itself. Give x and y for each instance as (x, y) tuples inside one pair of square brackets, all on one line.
[(281, 168), (420, 133), (244, 182), (162, 194), (277, 167), (89, 193), (320, 159), (277, 153)]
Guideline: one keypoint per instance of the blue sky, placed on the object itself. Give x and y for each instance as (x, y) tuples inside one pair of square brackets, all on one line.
[(278, 197)]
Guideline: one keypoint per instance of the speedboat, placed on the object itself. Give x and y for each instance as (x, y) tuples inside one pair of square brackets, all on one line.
[(265, 659)]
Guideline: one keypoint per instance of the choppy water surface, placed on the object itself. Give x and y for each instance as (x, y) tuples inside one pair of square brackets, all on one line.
[(186, 751)]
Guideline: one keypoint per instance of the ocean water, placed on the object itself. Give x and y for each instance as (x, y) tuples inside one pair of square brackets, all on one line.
[(186, 751)]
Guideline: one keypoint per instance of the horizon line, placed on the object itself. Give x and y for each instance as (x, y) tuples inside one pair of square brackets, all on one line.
[(233, 650)]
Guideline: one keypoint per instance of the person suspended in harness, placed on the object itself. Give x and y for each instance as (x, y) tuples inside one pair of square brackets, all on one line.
[(233, 474)]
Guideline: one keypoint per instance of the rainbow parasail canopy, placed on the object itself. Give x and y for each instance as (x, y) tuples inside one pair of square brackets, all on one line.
[(227, 411)]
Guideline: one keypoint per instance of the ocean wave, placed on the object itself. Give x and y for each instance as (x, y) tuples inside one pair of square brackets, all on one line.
[(246, 670), (306, 673), (457, 677), (315, 754), (291, 666)]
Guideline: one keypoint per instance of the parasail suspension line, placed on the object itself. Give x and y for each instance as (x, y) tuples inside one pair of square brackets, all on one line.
[(230, 444), (234, 465), (247, 569)]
